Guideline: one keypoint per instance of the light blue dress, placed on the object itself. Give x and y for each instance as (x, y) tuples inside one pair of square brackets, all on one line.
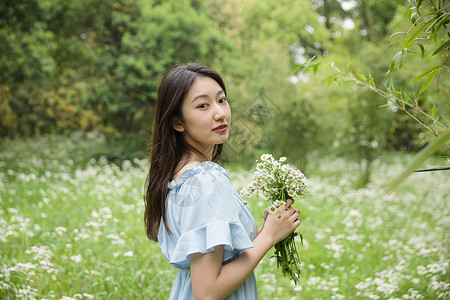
[(204, 211)]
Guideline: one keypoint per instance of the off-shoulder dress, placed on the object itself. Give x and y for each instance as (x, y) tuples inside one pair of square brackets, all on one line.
[(204, 211)]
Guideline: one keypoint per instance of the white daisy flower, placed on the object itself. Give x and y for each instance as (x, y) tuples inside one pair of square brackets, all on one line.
[(266, 156), (272, 209)]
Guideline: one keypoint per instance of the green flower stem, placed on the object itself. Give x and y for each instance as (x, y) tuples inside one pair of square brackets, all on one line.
[(287, 257), (286, 253)]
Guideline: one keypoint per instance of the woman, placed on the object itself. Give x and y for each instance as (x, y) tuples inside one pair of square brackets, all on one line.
[(198, 219)]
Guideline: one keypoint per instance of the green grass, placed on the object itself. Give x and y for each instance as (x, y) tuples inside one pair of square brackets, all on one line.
[(71, 225)]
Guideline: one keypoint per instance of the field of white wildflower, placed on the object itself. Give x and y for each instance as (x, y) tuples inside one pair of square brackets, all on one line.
[(71, 227)]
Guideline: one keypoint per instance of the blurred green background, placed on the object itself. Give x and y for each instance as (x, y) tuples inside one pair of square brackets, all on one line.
[(326, 83)]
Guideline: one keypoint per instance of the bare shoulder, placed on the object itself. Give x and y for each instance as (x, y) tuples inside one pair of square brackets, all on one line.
[(187, 166)]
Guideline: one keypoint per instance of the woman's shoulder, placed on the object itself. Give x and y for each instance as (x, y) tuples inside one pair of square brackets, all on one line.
[(205, 170), (186, 167)]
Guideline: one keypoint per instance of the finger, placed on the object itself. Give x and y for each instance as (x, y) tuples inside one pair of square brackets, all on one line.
[(289, 202), (282, 208), (294, 213), (285, 206), (266, 213)]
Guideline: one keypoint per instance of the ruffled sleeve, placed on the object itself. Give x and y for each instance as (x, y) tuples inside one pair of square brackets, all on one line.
[(203, 212)]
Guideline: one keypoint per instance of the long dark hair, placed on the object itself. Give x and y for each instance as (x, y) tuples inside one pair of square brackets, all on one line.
[(167, 146)]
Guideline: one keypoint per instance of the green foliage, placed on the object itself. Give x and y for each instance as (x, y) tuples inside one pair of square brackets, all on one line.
[(430, 23), (374, 16), (332, 11), (96, 65), (423, 155), (8, 119), (295, 133), (291, 23)]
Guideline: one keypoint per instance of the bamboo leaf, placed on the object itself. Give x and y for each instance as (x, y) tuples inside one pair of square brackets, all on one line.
[(297, 68), (425, 73), (402, 58), (413, 17), (370, 81), (444, 35), (384, 105), (427, 81), (441, 47), (410, 12), (392, 85), (418, 160), (422, 49), (350, 62), (433, 33), (394, 61), (409, 39), (308, 63), (435, 121), (315, 68), (433, 111), (331, 80), (443, 20), (406, 98)]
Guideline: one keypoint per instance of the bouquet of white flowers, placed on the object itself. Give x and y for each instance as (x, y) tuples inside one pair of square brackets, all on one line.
[(276, 182)]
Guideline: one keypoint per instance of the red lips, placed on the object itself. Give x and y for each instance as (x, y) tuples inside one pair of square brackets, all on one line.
[(221, 128)]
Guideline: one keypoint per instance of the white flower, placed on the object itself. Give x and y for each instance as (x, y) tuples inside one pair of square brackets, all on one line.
[(84, 296), (244, 193), (260, 167), (60, 230), (272, 209), (283, 159), (266, 156), (278, 203), (76, 258), (279, 217), (128, 254)]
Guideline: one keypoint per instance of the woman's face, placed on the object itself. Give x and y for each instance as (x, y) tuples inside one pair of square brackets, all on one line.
[(205, 116)]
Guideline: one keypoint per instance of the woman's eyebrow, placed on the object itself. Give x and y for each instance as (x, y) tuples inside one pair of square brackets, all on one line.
[(206, 96)]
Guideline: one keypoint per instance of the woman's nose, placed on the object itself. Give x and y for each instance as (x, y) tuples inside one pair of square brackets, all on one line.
[(219, 113)]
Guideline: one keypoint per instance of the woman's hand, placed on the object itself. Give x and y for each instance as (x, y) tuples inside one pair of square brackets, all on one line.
[(267, 212), (280, 224)]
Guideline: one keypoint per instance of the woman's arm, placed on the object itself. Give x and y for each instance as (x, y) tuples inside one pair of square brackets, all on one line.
[(211, 280)]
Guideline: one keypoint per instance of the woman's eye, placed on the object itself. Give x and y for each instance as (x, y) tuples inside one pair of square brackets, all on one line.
[(222, 100), (203, 105)]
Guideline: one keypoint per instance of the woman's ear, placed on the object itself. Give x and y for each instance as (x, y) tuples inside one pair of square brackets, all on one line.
[(177, 124)]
